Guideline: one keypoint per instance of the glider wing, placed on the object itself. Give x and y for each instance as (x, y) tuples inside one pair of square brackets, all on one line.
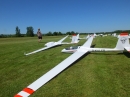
[(50, 74), (40, 50), (60, 41), (88, 42)]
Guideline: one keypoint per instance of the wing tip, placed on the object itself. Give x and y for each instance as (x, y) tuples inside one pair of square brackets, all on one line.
[(25, 54)]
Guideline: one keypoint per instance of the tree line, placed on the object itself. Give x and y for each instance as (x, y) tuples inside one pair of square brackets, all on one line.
[(30, 33)]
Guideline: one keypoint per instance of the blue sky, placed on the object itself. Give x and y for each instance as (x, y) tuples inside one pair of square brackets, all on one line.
[(64, 15)]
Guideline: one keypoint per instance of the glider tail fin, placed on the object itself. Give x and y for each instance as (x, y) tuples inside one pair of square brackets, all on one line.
[(123, 41), (77, 36), (74, 39)]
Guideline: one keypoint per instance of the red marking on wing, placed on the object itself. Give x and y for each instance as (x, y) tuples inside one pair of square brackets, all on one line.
[(17, 95), (28, 90)]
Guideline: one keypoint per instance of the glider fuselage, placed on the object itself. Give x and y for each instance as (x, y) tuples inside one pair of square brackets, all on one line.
[(74, 49)]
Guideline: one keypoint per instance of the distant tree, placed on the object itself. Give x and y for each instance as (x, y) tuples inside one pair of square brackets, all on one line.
[(49, 33), (18, 34), (55, 33), (72, 32), (59, 33), (81, 33), (30, 31), (78, 32), (117, 31), (68, 33), (126, 31), (1, 35)]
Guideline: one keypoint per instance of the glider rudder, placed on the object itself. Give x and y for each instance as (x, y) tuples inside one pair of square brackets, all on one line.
[(123, 41)]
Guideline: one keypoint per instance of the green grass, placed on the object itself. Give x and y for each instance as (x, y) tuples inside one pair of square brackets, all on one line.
[(105, 74)]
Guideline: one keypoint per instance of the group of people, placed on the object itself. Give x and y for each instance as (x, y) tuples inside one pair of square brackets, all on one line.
[(39, 34)]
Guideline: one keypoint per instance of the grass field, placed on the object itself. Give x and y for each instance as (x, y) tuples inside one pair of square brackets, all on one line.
[(105, 74)]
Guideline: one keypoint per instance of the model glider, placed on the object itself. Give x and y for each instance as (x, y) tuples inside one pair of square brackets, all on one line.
[(54, 44), (49, 45), (54, 71), (122, 43)]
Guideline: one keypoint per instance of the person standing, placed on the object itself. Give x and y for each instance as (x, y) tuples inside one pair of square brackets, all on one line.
[(39, 34)]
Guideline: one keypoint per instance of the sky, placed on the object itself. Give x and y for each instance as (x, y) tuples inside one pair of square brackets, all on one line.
[(82, 16)]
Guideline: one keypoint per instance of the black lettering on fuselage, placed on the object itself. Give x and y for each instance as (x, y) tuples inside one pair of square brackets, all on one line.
[(98, 50)]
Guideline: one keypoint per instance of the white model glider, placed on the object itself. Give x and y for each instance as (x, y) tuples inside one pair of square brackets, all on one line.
[(54, 44), (54, 71), (122, 43), (48, 45)]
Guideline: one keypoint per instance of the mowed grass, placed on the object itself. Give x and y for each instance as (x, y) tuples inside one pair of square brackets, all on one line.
[(103, 74)]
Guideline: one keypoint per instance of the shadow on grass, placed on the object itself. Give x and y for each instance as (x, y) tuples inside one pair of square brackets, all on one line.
[(127, 54), (104, 53), (92, 46)]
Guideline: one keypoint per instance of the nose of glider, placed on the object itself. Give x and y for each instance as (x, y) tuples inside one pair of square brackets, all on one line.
[(63, 51)]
